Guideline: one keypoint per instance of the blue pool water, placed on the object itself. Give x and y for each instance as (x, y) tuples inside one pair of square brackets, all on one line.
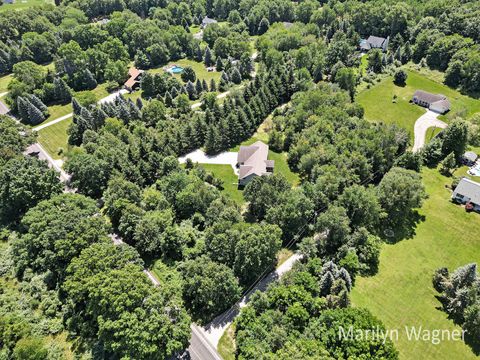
[(176, 69)]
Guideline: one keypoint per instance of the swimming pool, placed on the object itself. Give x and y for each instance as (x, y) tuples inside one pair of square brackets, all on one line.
[(176, 69), (475, 170)]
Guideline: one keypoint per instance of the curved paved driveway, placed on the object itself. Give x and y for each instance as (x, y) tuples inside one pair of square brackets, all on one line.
[(427, 120)]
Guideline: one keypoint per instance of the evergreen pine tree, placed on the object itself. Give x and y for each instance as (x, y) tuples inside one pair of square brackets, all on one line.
[(204, 85), (263, 26), (198, 87), (139, 103), (22, 107), (198, 54), (246, 66), (235, 76), (134, 111), (61, 90), (168, 99), (35, 116), (99, 117), (390, 58), (219, 64), (244, 124), (191, 92), (76, 106), (208, 57), (212, 140), (209, 117), (174, 92), (89, 81), (87, 117), (407, 52), (38, 104), (213, 86), (224, 82), (398, 54)]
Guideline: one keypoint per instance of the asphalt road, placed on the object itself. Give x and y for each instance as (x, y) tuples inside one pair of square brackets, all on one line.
[(200, 348)]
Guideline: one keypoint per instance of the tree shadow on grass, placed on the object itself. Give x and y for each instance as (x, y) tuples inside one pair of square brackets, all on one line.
[(405, 230), (473, 343)]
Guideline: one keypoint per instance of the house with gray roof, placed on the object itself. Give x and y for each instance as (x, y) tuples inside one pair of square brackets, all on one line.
[(207, 21), (374, 42), (467, 191), (435, 102), (253, 161)]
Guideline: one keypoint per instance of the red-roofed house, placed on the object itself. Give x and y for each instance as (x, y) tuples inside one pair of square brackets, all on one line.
[(134, 81)]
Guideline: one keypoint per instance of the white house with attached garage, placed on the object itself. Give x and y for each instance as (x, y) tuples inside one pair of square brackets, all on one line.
[(467, 191)]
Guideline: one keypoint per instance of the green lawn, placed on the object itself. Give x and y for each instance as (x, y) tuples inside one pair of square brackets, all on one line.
[(230, 180), (199, 68), (57, 111), (4, 81), (54, 137), (431, 133), (226, 344), (401, 294), (195, 29), (379, 105), (23, 4)]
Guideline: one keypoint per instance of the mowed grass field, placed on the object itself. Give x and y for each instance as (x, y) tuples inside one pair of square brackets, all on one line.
[(401, 294), (54, 137), (4, 81), (23, 4), (379, 105), (230, 180), (199, 68)]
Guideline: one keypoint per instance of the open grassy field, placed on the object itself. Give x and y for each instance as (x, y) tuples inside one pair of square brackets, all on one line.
[(23, 4), (198, 67), (380, 106), (230, 180), (54, 137), (401, 294), (431, 133)]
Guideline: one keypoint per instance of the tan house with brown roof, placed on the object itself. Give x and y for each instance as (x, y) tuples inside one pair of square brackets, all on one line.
[(253, 161), (134, 81)]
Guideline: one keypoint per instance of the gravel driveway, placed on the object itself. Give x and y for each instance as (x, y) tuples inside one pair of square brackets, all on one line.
[(427, 120)]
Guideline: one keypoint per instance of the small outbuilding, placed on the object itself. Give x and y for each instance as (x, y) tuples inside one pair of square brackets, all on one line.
[(207, 21), (467, 192), (469, 158), (435, 102)]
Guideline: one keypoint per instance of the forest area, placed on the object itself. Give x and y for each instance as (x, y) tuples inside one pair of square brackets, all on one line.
[(69, 292)]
